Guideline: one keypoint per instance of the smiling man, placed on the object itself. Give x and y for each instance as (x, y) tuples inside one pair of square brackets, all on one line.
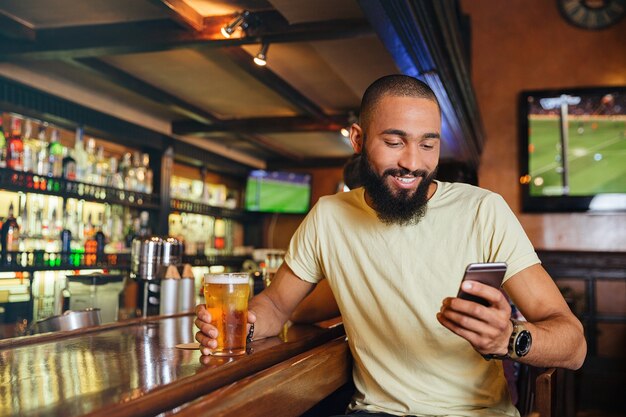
[(394, 252)]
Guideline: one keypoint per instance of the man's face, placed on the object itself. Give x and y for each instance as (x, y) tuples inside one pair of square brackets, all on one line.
[(400, 151)]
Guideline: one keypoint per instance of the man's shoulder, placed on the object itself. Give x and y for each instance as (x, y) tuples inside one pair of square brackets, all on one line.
[(351, 197), (459, 191)]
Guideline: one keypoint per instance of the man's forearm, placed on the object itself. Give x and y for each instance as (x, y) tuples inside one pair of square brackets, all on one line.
[(269, 319), (557, 341)]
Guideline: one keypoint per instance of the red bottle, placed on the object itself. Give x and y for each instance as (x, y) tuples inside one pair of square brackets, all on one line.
[(15, 146)]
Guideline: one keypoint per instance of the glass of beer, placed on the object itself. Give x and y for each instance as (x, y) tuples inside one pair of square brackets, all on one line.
[(226, 297)]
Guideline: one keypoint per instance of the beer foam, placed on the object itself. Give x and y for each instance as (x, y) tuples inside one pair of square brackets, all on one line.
[(236, 278)]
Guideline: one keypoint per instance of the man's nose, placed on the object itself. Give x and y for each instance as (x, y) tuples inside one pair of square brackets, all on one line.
[(410, 158)]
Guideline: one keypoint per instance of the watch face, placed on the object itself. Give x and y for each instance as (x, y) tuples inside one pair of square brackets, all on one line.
[(592, 14), (522, 343)]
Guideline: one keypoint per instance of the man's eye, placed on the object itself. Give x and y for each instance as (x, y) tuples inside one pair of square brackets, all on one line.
[(393, 144), (428, 146)]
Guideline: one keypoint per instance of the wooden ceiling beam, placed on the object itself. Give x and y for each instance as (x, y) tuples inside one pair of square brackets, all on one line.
[(15, 28), (274, 82), (262, 125), (165, 34), (183, 13), (140, 87)]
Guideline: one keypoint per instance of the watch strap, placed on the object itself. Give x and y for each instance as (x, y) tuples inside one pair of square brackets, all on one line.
[(518, 327)]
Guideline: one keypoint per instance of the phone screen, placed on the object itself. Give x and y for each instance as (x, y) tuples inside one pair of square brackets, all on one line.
[(487, 273)]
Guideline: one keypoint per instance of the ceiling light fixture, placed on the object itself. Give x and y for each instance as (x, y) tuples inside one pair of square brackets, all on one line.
[(261, 58), (239, 22)]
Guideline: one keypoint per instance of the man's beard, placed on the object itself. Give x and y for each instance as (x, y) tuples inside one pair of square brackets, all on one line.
[(400, 206)]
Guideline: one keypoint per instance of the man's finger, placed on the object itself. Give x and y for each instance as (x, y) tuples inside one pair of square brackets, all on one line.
[(492, 295)]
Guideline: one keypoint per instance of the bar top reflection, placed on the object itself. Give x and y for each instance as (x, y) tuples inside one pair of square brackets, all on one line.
[(130, 369)]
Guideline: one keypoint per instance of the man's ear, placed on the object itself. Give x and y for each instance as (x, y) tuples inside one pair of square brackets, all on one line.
[(357, 137)]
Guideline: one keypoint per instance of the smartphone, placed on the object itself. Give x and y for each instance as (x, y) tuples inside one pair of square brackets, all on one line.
[(487, 273)]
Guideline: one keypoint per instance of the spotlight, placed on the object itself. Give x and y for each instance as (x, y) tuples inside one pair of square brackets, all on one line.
[(239, 21), (345, 132), (261, 58)]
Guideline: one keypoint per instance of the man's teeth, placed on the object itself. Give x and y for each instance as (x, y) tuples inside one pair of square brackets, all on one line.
[(405, 180)]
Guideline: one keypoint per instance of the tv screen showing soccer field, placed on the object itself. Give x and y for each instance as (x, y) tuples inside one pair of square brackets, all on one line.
[(576, 143), (278, 192)]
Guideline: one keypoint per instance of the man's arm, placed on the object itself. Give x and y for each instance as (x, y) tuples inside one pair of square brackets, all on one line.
[(273, 307), (269, 310), (317, 306), (558, 338)]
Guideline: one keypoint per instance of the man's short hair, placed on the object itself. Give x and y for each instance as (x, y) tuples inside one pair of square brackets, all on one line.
[(394, 85)]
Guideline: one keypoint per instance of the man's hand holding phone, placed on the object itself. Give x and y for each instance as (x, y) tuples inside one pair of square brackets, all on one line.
[(480, 313)]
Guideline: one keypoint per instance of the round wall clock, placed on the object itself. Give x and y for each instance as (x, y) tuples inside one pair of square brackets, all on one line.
[(592, 14)]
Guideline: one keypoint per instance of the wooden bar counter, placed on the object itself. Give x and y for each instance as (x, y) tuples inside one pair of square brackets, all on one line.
[(134, 369)]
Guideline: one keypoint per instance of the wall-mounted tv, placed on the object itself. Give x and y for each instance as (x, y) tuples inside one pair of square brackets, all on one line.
[(573, 149), (278, 192)]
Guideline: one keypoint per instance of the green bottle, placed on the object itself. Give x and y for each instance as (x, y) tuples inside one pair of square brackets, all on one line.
[(55, 155)]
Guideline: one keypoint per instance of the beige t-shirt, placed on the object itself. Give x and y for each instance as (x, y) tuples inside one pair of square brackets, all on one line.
[(389, 282)]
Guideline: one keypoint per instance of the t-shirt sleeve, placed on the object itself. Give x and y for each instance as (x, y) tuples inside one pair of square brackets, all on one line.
[(504, 238), (303, 254)]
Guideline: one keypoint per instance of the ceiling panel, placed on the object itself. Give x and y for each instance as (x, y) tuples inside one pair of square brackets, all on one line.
[(241, 144), (357, 61), (57, 13), (300, 11), (207, 80), (99, 86), (313, 144), (303, 68)]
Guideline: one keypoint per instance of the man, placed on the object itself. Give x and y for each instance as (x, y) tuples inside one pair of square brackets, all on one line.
[(394, 253)]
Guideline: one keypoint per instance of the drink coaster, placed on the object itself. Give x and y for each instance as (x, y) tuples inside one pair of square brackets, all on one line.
[(193, 345)]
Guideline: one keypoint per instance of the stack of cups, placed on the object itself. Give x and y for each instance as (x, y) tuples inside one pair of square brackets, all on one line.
[(186, 291), (169, 291)]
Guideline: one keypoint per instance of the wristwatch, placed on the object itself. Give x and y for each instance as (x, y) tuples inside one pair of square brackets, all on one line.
[(519, 342)]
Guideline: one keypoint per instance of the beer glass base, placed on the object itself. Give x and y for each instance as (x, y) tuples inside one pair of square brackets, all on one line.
[(229, 352)]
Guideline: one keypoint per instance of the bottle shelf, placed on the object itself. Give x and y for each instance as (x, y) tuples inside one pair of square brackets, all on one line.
[(225, 260), (28, 182), (200, 208), (52, 261)]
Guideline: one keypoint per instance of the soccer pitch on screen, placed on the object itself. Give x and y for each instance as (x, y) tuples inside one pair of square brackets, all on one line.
[(272, 196), (596, 155)]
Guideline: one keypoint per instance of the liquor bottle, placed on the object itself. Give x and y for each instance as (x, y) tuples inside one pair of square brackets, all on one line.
[(148, 174), (102, 167), (144, 224), (30, 148), (66, 240), (89, 230), (80, 156), (15, 145), (3, 145), (125, 165), (114, 177), (66, 237), (68, 165), (219, 235), (56, 225), (100, 239), (42, 161), (9, 236), (55, 155), (91, 173), (130, 179)]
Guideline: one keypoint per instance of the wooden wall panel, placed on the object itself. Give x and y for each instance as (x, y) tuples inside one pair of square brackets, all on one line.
[(278, 230), (525, 44)]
